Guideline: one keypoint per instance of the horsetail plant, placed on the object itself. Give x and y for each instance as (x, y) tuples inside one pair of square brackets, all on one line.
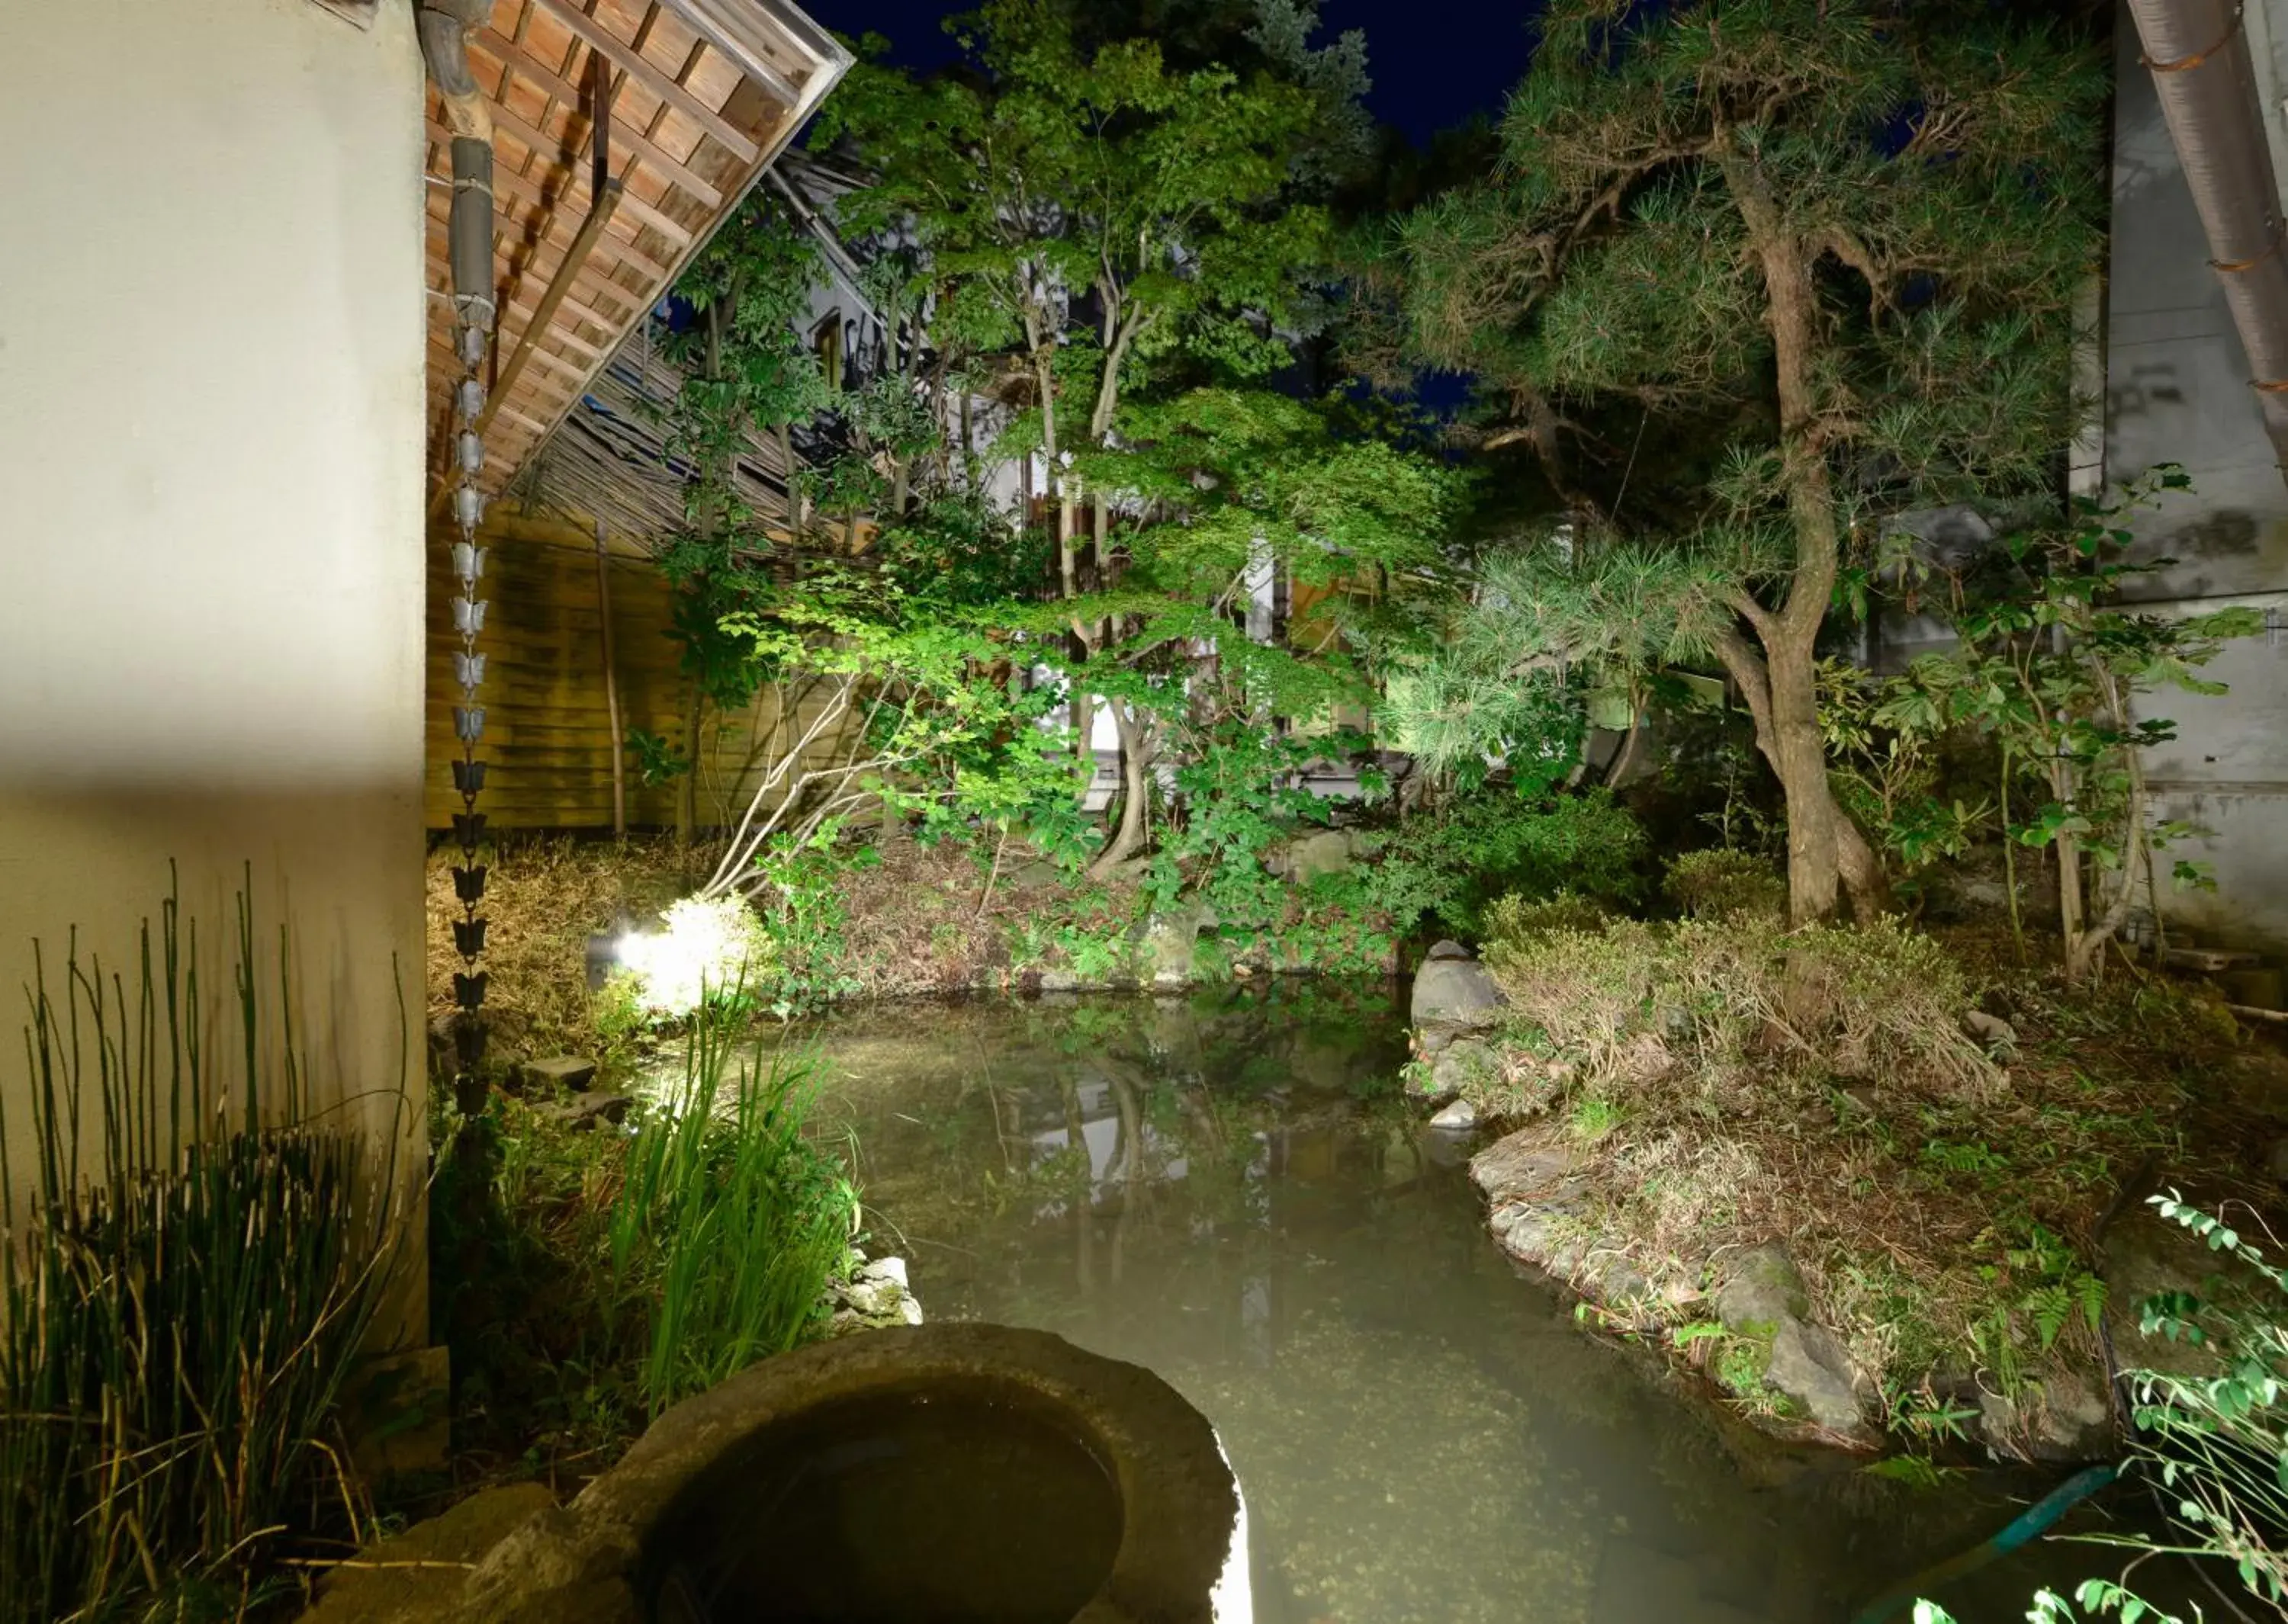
[(184, 1280)]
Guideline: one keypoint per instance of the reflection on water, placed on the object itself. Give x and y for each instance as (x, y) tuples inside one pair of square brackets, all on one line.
[(1227, 1189)]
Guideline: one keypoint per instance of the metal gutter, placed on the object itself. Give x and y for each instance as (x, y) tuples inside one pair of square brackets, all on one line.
[(2198, 55)]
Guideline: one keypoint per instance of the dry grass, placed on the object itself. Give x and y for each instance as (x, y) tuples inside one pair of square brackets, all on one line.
[(912, 926), (1820, 1087), (544, 897)]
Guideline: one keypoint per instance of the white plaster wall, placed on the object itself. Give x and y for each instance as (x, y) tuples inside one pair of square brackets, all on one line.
[(212, 422), (2177, 390)]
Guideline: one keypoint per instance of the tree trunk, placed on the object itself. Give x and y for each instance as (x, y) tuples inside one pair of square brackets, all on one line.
[(1787, 727), (1827, 853), (1135, 771), (687, 795), (611, 688), (1625, 756)]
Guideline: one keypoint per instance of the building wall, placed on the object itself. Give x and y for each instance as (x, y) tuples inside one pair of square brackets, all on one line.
[(2177, 390), (212, 422)]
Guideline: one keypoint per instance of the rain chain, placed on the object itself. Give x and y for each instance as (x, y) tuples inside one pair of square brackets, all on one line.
[(472, 230)]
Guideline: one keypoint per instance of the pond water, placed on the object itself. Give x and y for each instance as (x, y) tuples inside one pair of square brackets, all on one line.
[(1226, 1188)]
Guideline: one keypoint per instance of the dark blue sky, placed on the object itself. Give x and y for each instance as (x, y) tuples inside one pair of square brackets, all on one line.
[(1434, 62)]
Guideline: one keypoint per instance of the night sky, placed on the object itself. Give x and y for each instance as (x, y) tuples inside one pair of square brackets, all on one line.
[(1434, 62)]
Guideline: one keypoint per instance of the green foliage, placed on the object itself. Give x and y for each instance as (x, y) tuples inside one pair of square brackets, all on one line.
[(1741, 1365), (2050, 673), (1925, 1418), (1883, 736), (2064, 1289), (1096, 954), (1732, 221), (727, 1225), (184, 1286), (1242, 796), (1217, 487), (1542, 625), (657, 761), (1593, 1117), (745, 368), (1449, 865), (803, 912), (746, 364), (1617, 250), (1513, 918), (1066, 165), (1915, 1471), (617, 1009), (2218, 1440), (1715, 883), (2099, 1597)]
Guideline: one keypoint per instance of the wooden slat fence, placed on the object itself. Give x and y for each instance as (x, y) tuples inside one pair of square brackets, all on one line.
[(547, 727)]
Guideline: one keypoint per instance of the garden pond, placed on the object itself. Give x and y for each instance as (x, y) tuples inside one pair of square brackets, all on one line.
[(1228, 1188)]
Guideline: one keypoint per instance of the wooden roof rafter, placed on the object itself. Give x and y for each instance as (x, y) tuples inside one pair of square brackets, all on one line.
[(702, 95)]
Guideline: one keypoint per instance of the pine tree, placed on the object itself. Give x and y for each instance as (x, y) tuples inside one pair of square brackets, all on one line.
[(1857, 226)]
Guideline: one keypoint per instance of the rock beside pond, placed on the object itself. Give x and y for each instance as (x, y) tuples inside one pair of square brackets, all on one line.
[(1456, 1118), (1761, 1289), (875, 1296), (1991, 1032), (568, 1072), (1810, 1365), (1539, 1215), (1308, 856), (1168, 946), (585, 1110), (2061, 1416), (1457, 992), (2256, 1081), (1450, 1068), (1763, 1300), (2147, 1256)]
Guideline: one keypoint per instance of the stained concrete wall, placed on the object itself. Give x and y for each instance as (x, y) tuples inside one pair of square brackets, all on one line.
[(2177, 390), (212, 421)]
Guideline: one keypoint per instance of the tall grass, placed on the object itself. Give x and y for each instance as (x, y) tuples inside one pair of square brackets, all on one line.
[(728, 1220), (183, 1282)]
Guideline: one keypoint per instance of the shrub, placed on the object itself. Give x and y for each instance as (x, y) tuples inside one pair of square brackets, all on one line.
[(1590, 991), (1513, 918), (1717, 883), (1631, 1000)]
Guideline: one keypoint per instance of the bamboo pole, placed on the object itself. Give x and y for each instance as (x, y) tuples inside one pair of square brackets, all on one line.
[(611, 689)]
